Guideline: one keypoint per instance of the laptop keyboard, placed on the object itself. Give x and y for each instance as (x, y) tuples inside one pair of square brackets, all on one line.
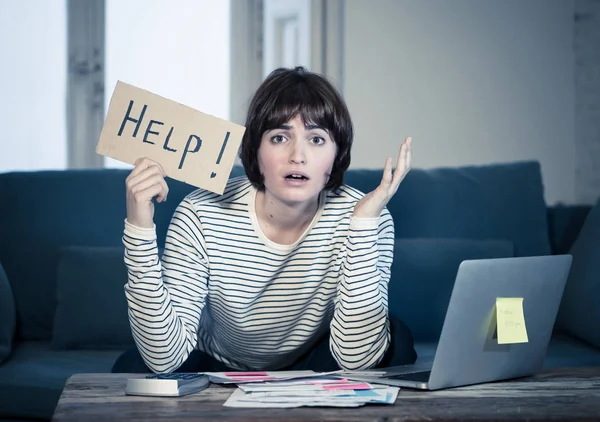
[(414, 376)]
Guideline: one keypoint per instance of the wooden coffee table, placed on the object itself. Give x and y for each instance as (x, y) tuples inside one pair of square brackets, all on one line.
[(567, 394)]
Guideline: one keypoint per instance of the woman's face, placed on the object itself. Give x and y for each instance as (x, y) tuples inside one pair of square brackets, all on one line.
[(296, 161)]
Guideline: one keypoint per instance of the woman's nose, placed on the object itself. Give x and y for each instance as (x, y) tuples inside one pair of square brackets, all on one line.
[(297, 155)]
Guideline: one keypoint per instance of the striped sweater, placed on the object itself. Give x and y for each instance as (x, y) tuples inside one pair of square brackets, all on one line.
[(224, 288)]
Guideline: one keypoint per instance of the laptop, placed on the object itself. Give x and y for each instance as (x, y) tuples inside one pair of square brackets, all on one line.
[(468, 351)]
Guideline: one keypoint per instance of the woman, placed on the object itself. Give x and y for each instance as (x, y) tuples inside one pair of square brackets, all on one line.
[(288, 269)]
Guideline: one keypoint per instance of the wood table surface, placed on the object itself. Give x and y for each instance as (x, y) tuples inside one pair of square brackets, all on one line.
[(565, 394)]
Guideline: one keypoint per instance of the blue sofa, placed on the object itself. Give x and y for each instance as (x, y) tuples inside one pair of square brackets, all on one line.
[(63, 310)]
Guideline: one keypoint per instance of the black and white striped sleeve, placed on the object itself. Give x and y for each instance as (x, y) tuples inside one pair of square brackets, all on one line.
[(166, 299), (360, 333)]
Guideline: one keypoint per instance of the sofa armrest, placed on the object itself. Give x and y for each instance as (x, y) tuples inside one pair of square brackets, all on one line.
[(564, 225), (8, 317)]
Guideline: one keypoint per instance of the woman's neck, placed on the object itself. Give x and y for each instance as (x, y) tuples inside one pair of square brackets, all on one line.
[(280, 222)]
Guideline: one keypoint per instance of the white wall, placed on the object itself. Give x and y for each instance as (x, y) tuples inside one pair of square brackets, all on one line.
[(587, 100), (33, 84), (472, 82), (178, 49)]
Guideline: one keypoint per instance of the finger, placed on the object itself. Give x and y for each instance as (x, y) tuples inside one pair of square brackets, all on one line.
[(141, 164), (147, 194), (409, 153), (164, 192), (144, 163), (162, 196), (402, 153), (162, 170), (400, 165), (147, 173), (144, 184), (386, 179)]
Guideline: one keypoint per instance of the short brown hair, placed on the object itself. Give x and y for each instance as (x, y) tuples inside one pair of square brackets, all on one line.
[(283, 95)]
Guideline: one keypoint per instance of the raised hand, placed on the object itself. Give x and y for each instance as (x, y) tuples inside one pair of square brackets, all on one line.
[(373, 203), (146, 181)]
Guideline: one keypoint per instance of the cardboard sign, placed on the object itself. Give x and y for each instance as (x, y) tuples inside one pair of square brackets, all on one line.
[(191, 146)]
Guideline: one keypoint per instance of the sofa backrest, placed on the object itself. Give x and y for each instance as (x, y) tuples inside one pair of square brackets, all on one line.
[(45, 211), (497, 201)]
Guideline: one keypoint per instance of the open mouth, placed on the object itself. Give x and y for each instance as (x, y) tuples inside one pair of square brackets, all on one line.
[(296, 177)]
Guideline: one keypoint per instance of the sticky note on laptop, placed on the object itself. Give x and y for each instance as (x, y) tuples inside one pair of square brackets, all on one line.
[(510, 320)]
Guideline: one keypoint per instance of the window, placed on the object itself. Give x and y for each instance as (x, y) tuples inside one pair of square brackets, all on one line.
[(33, 79), (179, 49)]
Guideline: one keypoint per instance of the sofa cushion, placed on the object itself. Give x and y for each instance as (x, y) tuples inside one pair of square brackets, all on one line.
[(423, 274), (91, 311), (32, 380), (565, 350), (496, 201), (579, 312), (8, 317)]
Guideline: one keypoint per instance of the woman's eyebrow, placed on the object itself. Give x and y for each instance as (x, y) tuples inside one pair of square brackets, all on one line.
[(309, 126), (312, 126), (280, 127)]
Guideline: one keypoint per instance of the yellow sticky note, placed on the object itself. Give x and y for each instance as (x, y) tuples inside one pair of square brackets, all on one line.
[(510, 320)]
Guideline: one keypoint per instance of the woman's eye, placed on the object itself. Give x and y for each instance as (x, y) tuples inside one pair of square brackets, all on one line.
[(277, 139), (317, 140)]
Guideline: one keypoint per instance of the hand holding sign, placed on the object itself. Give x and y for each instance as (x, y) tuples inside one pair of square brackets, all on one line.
[(189, 145), (146, 181)]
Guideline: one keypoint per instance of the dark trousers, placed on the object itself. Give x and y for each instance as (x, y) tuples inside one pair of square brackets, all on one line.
[(319, 359)]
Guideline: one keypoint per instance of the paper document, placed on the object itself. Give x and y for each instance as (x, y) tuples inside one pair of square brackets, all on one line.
[(283, 389), (332, 398), (243, 377), (318, 385)]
